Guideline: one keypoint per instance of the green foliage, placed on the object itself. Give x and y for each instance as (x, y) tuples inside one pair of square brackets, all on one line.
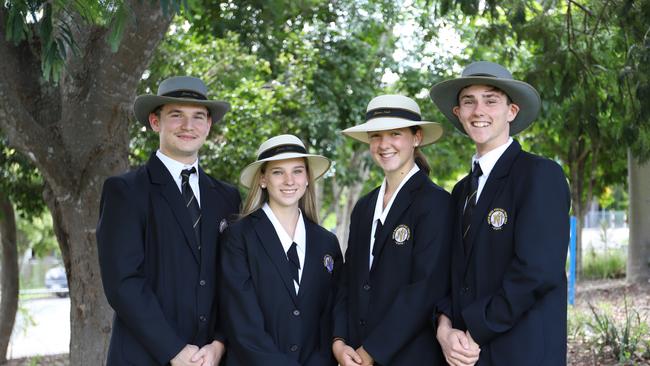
[(37, 233), (20, 179), (626, 340), (608, 265)]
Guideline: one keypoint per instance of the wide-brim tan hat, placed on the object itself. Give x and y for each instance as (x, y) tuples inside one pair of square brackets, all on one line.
[(445, 93), (284, 147), (181, 90), (391, 112)]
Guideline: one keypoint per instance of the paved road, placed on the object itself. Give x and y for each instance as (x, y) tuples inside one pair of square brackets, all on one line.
[(42, 328)]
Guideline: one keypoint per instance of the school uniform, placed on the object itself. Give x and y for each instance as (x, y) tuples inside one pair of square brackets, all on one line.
[(508, 278), (269, 318), (395, 272), (158, 276)]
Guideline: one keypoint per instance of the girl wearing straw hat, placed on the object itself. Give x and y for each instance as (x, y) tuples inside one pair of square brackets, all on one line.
[(397, 261), (278, 264)]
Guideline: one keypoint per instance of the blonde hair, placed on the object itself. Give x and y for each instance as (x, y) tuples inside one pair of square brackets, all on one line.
[(257, 196)]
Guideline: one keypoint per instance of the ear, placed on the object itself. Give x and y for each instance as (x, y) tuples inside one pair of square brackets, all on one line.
[(513, 110), (154, 122), (418, 137), (456, 111), (262, 181)]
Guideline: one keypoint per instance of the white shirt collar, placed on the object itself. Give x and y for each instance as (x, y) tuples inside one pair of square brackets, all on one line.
[(175, 167), (299, 236), (489, 160), (380, 212)]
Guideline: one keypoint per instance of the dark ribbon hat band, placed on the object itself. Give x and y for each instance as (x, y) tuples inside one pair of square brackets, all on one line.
[(392, 112), (185, 94), (281, 149)]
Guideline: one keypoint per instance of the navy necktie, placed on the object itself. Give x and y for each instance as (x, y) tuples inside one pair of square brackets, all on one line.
[(377, 231), (294, 262), (190, 202), (470, 202)]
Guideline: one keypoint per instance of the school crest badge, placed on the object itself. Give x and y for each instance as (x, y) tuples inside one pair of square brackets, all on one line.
[(401, 234), (497, 218), (223, 225), (328, 263)]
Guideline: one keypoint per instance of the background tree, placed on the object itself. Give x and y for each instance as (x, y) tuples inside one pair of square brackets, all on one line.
[(20, 184)]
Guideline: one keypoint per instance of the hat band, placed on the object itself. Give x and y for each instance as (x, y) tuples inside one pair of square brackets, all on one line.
[(185, 94), (392, 112), (281, 149)]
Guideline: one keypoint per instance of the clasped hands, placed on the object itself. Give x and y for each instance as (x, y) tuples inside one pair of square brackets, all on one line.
[(348, 356), (191, 355)]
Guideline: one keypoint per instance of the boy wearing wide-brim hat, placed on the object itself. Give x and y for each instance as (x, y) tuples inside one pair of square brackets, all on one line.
[(158, 236), (397, 260), (508, 302)]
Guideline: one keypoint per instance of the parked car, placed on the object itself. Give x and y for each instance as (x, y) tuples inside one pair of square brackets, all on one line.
[(56, 280)]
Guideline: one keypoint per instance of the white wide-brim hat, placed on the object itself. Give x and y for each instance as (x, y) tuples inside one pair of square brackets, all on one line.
[(179, 90), (284, 147), (445, 93), (391, 112)]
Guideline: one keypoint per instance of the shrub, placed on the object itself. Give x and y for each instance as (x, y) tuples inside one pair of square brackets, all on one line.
[(606, 265)]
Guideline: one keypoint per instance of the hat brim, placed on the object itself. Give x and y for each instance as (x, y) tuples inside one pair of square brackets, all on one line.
[(431, 131), (318, 165), (145, 104), (445, 96)]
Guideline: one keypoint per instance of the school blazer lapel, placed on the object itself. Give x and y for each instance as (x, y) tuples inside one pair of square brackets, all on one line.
[(269, 238), (402, 202), (210, 212), (163, 181), (313, 263), (492, 188)]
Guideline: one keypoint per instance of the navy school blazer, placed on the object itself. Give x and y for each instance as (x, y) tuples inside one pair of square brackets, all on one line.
[(510, 290), (266, 323), (162, 287), (388, 308)]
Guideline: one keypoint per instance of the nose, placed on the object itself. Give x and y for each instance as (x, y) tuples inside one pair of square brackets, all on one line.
[(383, 142), (289, 179), (186, 123), (478, 109)]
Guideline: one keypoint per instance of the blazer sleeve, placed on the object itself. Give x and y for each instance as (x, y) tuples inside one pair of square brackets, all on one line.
[(340, 310), (219, 331), (430, 275), (541, 237), (120, 240), (242, 316)]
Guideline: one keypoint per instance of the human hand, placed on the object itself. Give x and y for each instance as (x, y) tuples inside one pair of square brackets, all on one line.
[(365, 357), (184, 357), (210, 354), (457, 346), (344, 354)]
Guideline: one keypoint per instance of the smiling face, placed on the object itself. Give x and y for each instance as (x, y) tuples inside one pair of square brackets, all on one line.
[(182, 129), (285, 182), (485, 114), (393, 150)]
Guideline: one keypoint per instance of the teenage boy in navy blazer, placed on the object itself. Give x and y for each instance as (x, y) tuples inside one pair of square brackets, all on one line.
[(158, 237), (508, 302)]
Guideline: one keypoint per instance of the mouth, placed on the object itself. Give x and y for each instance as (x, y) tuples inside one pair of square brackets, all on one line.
[(480, 124), (289, 191), (186, 137), (387, 155)]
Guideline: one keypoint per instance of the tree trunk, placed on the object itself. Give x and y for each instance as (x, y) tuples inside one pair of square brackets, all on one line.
[(76, 133), (9, 294), (638, 252), (346, 197)]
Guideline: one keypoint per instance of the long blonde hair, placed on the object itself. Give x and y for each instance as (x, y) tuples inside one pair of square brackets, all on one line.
[(257, 196)]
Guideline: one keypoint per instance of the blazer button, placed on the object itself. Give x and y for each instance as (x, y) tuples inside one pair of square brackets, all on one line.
[(296, 312), (202, 318), (366, 287), (362, 322), (199, 247), (294, 348), (464, 290), (202, 282)]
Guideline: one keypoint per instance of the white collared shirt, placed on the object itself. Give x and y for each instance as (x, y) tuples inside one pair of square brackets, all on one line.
[(299, 237), (487, 163), (175, 168), (381, 213)]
